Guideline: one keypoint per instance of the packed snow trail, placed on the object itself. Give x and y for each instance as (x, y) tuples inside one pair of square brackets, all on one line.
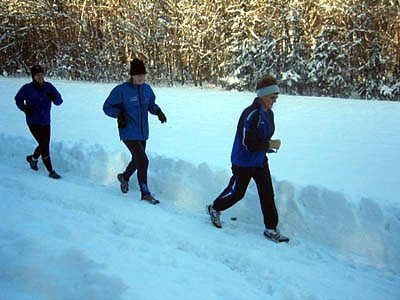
[(79, 237), (94, 237), (313, 213)]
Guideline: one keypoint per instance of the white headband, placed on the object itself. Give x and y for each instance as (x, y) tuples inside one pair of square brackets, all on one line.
[(268, 90)]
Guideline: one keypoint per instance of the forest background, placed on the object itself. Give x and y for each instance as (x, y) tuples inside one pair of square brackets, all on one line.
[(339, 48)]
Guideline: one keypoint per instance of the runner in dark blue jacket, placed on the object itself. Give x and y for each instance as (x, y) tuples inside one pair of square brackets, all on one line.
[(130, 103), (252, 142), (35, 100)]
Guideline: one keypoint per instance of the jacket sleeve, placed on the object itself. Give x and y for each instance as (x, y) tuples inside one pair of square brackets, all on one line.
[(113, 104), (58, 100), (153, 107), (19, 98), (251, 139)]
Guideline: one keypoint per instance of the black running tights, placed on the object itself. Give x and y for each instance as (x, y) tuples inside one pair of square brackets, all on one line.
[(139, 162), (41, 133)]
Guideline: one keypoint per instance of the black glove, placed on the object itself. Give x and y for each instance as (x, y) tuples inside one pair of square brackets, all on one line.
[(28, 110), (121, 119), (52, 96), (161, 116)]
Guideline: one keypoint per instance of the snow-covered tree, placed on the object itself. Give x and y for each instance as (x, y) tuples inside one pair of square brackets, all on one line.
[(327, 65), (326, 47)]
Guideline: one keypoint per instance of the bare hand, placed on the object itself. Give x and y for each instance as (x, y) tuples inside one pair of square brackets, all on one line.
[(274, 144)]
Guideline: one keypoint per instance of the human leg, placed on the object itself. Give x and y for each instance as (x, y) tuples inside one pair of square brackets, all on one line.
[(138, 162), (36, 133), (131, 167), (41, 133), (232, 193), (44, 145), (235, 190), (124, 177), (262, 177)]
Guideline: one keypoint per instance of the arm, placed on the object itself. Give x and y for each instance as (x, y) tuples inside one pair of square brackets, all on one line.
[(113, 104), (274, 145), (251, 139), (20, 99), (54, 95), (155, 109)]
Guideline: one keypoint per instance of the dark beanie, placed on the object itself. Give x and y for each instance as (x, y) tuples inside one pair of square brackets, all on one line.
[(137, 67), (36, 69)]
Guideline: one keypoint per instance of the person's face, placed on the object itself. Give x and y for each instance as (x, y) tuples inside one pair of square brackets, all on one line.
[(39, 78), (138, 79), (268, 101)]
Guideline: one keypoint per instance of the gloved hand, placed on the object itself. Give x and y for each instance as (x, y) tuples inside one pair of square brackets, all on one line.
[(161, 116), (274, 144), (28, 110), (121, 119), (52, 96)]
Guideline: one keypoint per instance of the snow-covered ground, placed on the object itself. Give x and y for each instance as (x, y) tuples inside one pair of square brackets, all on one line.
[(336, 182)]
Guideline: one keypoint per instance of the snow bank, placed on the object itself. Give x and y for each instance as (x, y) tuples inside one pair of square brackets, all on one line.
[(308, 214)]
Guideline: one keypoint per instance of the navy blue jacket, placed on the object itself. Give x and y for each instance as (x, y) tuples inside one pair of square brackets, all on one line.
[(35, 100), (254, 130), (134, 101)]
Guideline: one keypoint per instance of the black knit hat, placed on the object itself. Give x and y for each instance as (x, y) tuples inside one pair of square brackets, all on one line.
[(36, 69), (137, 67)]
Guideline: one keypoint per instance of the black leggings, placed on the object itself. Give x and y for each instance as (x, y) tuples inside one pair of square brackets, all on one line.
[(41, 133), (238, 185), (139, 162)]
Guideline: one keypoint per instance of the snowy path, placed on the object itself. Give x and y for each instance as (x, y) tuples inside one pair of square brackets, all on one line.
[(75, 239)]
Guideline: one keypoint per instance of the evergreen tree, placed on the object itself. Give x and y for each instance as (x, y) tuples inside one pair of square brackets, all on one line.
[(323, 47), (327, 65)]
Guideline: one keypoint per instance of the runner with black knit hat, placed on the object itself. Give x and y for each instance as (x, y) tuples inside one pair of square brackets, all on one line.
[(130, 103), (35, 100), (249, 161)]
